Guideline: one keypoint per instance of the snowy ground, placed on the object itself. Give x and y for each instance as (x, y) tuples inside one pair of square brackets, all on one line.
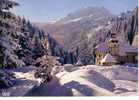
[(22, 84), (72, 80), (120, 80)]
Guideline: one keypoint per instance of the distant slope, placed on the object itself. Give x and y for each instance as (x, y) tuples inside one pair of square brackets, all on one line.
[(126, 25), (68, 28), (51, 29)]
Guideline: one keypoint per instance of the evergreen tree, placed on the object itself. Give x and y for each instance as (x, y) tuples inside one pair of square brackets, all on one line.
[(8, 35)]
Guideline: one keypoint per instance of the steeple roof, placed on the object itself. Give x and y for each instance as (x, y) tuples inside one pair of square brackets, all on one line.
[(108, 58)]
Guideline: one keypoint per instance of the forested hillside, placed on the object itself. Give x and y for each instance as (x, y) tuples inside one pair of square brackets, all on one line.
[(82, 30), (21, 43)]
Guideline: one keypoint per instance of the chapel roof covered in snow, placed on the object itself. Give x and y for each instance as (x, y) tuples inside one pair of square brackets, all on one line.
[(126, 47), (123, 48), (108, 58)]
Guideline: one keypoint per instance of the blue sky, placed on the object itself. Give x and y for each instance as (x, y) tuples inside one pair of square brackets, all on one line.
[(50, 10)]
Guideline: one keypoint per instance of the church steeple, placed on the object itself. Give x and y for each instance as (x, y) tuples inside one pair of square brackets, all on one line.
[(113, 45)]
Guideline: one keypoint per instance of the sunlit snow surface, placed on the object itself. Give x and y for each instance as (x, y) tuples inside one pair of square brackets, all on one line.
[(72, 80)]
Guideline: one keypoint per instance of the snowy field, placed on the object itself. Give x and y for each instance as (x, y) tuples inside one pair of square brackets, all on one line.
[(70, 80)]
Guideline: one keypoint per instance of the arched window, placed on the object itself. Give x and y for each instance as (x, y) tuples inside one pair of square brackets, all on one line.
[(99, 55)]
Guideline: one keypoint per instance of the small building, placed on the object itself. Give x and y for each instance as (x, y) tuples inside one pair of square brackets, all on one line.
[(121, 51), (108, 60)]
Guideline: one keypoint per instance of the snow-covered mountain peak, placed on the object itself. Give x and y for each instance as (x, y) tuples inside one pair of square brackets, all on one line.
[(85, 13)]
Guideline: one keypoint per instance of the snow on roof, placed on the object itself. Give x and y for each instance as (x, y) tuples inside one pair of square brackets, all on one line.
[(122, 52), (126, 47), (102, 47), (108, 58)]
